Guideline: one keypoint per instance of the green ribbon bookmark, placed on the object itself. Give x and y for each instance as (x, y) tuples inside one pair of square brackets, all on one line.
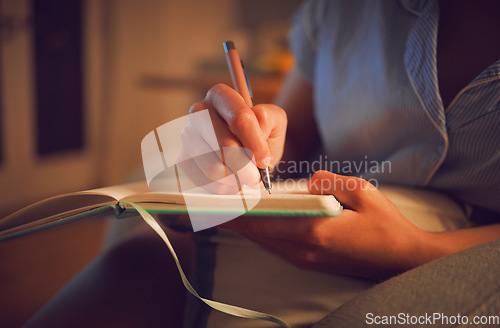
[(226, 308)]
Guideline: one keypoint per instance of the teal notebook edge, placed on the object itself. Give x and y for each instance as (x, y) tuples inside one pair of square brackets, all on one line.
[(121, 211)]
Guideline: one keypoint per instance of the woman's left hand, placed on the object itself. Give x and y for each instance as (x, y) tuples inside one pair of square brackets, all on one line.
[(371, 238)]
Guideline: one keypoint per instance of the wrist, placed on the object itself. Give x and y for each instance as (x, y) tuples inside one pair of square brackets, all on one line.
[(428, 246)]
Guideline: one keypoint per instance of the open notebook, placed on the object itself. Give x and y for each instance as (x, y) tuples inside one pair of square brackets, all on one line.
[(291, 200)]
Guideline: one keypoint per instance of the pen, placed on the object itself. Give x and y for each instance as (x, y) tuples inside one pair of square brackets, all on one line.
[(242, 86)]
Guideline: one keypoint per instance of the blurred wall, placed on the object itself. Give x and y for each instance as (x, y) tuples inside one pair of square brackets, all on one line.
[(24, 175), (124, 42), (153, 37)]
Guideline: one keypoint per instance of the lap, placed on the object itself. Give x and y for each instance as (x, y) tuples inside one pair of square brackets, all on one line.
[(239, 272)]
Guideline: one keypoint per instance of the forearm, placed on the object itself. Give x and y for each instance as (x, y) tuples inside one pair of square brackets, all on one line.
[(434, 245)]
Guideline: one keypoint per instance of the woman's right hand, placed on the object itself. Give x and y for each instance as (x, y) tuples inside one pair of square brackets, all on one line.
[(260, 129)]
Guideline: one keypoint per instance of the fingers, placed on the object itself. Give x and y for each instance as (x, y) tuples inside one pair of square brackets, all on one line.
[(303, 230), (215, 163), (245, 138), (197, 179), (354, 192), (243, 121), (273, 123), (271, 118)]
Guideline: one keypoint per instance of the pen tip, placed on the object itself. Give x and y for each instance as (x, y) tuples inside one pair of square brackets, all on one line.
[(269, 191)]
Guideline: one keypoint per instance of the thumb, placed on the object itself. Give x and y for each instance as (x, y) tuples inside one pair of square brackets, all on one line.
[(350, 191)]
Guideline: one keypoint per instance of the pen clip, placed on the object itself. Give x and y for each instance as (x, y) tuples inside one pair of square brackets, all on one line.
[(248, 81)]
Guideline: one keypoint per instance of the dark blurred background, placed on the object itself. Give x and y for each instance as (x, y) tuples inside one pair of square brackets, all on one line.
[(81, 83)]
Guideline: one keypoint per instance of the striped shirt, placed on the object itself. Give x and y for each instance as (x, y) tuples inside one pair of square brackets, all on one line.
[(373, 68)]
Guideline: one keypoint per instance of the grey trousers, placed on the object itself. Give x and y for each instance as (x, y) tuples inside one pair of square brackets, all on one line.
[(433, 295)]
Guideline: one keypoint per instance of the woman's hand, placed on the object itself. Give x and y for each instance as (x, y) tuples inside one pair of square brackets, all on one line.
[(371, 238), (260, 129)]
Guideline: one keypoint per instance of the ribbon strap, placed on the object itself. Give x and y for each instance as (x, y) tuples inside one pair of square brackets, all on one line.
[(222, 307)]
